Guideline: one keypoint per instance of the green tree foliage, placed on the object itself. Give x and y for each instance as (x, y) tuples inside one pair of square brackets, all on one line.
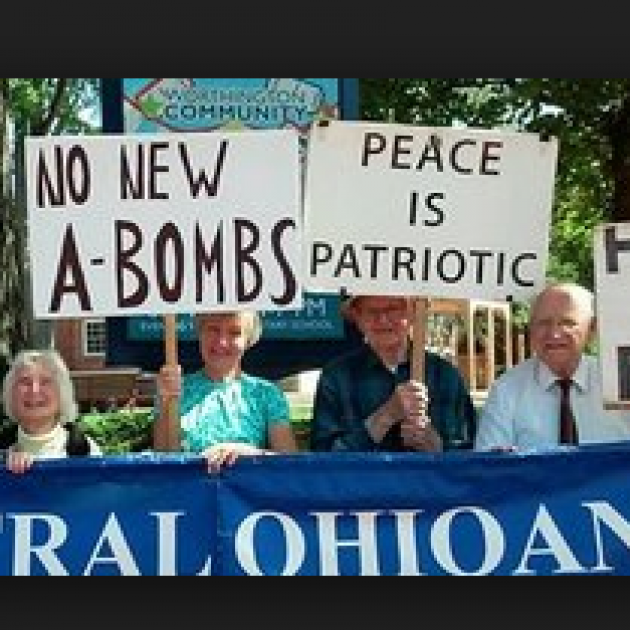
[(33, 107), (13, 328), (52, 106), (590, 117)]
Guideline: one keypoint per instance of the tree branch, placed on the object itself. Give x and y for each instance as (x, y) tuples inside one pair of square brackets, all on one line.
[(43, 128), (4, 108)]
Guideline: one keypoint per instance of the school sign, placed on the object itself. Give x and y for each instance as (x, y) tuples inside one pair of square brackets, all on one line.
[(466, 514)]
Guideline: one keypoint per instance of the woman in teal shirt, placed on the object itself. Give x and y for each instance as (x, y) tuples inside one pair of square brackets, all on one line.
[(223, 412)]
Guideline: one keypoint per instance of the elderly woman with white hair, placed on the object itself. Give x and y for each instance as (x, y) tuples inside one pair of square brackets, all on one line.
[(223, 412), (38, 397)]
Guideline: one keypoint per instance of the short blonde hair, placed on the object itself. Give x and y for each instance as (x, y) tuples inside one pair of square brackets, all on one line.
[(255, 329), (51, 360)]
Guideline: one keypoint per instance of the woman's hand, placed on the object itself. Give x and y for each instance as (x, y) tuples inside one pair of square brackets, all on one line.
[(169, 382), (18, 462), (226, 454)]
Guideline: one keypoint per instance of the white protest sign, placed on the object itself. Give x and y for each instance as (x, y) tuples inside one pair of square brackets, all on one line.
[(439, 212), (164, 223), (612, 273)]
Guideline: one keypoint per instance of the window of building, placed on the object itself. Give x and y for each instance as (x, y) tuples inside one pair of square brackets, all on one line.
[(94, 338)]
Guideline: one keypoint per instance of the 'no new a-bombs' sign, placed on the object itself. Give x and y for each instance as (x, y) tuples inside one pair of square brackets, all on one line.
[(164, 223), (439, 212)]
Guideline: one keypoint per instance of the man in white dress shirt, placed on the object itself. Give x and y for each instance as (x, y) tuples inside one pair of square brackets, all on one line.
[(522, 409)]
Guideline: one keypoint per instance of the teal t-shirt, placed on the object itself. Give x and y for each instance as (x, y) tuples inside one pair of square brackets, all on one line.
[(240, 410)]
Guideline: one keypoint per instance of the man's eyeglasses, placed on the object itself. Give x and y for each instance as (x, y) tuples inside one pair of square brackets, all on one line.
[(564, 324), (383, 312)]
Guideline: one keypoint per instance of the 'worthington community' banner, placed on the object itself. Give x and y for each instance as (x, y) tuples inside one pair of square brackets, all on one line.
[(438, 212), (152, 105), (164, 223), (555, 513)]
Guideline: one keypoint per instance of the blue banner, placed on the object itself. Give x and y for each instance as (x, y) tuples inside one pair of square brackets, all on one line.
[(116, 516), (553, 513)]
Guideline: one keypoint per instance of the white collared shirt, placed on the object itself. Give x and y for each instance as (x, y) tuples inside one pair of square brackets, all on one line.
[(522, 409)]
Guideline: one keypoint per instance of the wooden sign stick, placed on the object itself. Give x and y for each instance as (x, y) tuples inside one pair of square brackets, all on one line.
[(418, 338), (171, 413)]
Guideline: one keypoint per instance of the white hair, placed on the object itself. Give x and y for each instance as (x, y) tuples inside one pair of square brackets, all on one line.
[(582, 297), (255, 329), (51, 360)]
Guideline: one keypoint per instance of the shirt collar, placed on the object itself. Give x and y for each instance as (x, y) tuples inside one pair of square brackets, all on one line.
[(35, 443), (547, 379), (375, 361)]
